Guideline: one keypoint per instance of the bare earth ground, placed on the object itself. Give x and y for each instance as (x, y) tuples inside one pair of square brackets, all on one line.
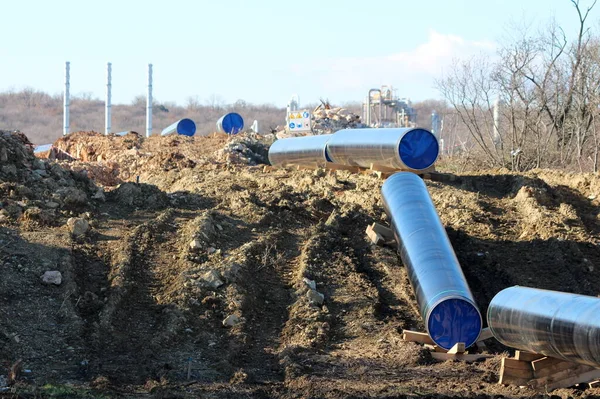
[(139, 313)]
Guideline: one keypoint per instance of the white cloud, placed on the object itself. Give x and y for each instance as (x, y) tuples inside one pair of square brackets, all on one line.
[(416, 68)]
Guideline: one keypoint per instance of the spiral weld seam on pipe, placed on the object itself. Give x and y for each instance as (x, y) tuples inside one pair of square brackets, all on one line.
[(552, 323), (302, 151), (443, 295), (413, 149)]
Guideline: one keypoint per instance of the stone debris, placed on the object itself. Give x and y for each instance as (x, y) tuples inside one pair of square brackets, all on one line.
[(231, 320), (244, 149), (196, 244), (315, 297), (52, 277), (212, 279), (310, 283), (78, 226)]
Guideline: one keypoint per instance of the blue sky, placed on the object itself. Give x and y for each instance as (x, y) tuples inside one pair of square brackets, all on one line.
[(260, 51)]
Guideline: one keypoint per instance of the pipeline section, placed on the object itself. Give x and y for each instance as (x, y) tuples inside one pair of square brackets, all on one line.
[(443, 295), (231, 123), (551, 323), (397, 148), (302, 151), (184, 127)]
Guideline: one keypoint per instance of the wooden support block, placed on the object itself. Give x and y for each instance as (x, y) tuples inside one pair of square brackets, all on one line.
[(550, 367), (374, 237), (419, 337), (459, 347), (381, 168), (332, 166), (383, 231), (515, 372), (459, 356), (577, 379), (486, 333), (527, 356), (566, 378)]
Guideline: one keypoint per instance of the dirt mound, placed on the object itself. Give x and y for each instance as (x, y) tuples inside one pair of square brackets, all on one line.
[(144, 196), (212, 277), (37, 189), (94, 146)]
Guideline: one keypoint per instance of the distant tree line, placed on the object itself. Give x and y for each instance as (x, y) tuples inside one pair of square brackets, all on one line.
[(547, 92), (39, 115)]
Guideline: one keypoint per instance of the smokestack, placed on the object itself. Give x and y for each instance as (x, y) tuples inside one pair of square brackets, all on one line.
[(149, 103), (107, 115), (67, 99)]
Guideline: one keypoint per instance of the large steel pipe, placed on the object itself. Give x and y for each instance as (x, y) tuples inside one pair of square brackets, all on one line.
[(399, 148), (231, 123), (302, 151), (443, 295), (185, 127), (556, 324)]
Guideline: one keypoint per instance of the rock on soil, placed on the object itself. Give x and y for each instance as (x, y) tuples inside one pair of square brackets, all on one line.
[(52, 277), (78, 226), (231, 320)]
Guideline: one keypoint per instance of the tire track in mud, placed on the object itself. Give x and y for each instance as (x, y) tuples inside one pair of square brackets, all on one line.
[(265, 286), (133, 327)]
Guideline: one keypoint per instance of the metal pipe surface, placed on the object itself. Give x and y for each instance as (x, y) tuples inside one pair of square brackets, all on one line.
[(443, 295), (184, 127), (552, 323), (67, 98), (302, 151), (399, 148), (107, 104)]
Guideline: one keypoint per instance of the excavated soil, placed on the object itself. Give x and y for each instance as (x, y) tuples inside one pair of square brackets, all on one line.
[(194, 277)]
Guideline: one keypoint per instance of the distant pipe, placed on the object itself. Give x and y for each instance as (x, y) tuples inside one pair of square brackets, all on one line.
[(551, 323), (67, 98), (42, 148), (107, 104), (399, 148), (231, 123), (443, 295), (184, 127), (149, 103), (303, 151)]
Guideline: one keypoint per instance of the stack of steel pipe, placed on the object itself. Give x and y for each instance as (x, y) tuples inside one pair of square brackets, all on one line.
[(411, 149), (443, 295), (551, 323)]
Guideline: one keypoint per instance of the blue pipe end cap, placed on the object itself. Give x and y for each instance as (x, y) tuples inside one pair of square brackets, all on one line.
[(419, 149), (186, 127), (452, 321), (232, 123)]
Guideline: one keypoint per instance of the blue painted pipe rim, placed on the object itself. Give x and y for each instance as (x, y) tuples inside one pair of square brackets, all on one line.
[(433, 330), (423, 160)]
